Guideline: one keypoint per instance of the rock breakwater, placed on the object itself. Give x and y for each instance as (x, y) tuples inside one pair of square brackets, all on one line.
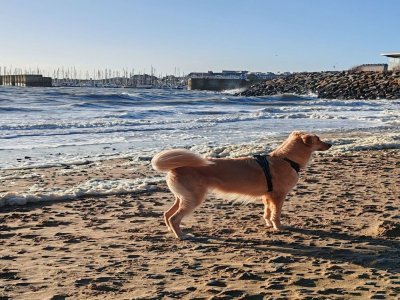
[(332, 85)]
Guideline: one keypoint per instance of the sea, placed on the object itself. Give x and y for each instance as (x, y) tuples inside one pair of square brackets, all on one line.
[(42, 127)]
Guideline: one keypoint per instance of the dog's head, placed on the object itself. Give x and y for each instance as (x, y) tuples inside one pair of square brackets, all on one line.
[(311, 140)]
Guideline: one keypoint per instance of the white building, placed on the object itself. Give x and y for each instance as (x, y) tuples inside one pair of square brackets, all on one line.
[(394, 60)]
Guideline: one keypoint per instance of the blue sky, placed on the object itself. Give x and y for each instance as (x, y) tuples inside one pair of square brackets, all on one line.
[(198, 35)]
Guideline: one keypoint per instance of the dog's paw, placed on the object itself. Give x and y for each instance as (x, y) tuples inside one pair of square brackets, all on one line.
[(268, 223), (277, 227)]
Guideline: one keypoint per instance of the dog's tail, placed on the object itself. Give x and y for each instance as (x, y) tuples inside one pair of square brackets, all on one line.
[(176, 158)]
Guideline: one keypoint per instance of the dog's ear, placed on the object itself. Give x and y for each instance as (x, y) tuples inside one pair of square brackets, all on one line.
[(296, 133), (307, 139)]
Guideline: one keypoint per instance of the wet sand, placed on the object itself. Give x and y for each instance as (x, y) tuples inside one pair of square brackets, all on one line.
[(342, 239)]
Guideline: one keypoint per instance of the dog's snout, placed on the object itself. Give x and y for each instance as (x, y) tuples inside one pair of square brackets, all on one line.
[(324, 146)]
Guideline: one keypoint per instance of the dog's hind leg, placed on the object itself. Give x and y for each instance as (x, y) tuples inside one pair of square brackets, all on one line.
[(276, 204), (188, 186), (176, 218), (267, 211), (170, 212), (187, 205)]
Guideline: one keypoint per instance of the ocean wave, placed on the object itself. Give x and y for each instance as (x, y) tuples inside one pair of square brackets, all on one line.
[(207, 112), (292, 97), (18, 109), (75, 120), (78, 124), (347, 103), (233, 91), (170, 121)]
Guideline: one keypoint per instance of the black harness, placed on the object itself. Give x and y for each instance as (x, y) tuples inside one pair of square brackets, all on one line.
[(264, 164), (293, 164)]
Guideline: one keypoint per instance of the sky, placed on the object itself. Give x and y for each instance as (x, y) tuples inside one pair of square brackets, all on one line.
[(183, 36)]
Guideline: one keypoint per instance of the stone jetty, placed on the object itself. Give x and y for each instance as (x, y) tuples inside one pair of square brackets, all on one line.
[(332, 85)]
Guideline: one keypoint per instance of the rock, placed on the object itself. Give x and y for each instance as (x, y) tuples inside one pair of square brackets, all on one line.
[(58, 297), (231, 293), (331, 291), (275, 286), (341, 85), (281, 259), (153, 276), (363, 276), (254, 297), (304, 282), (214, 282), (175, 271), (334, 276), (389, 229), (83, 281), (104, 288), (249, 276), (378, 296)]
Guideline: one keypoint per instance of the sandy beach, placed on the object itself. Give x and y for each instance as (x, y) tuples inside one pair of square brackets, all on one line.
[(342, 239)]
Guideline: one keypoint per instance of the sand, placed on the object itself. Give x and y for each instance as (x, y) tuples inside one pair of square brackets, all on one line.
[(341, 241)]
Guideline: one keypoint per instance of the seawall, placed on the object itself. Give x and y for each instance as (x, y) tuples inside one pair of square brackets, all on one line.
[(217, 84), (332, 85), (25, 80)]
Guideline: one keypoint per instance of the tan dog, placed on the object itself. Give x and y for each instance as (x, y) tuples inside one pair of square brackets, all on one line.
[(190, 177)]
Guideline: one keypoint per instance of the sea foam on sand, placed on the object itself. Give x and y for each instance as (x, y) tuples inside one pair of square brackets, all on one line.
[(341, 143), (101, 187), (92, 187)]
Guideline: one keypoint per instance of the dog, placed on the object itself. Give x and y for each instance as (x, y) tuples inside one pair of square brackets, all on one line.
[(191, 177)]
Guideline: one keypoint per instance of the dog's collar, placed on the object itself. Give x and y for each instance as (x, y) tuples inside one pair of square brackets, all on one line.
[(293, 164)]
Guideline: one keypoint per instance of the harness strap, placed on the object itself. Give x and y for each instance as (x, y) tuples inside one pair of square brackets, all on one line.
[(263, 162), (293, 164)]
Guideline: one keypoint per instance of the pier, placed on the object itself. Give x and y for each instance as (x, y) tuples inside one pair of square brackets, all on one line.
[(25, 80), (226, 80)]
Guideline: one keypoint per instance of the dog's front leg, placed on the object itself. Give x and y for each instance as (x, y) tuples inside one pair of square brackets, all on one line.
[(275, 205), (267, 211)]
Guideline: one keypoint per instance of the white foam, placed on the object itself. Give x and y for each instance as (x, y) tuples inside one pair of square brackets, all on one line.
[(233, 91), (372, 142), (90, 188), (375, 141), (21, 176)]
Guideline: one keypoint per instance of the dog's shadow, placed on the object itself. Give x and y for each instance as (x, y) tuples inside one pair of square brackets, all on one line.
[(365, 251)]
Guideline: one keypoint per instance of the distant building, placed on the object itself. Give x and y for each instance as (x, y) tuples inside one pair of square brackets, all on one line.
[(370, 68), (25, 80), (394, 60)]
